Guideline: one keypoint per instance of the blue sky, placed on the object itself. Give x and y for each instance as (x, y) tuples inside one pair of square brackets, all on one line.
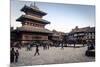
[(63, 17)]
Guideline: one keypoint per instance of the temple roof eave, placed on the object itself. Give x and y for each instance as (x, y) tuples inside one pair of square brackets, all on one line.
[(33, 29), (23, 17), (25, 8)]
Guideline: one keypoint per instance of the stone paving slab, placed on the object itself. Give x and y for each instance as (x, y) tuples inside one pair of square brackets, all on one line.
[(52, 56)]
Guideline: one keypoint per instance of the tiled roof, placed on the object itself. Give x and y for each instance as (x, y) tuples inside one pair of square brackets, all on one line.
[(33, 29), (33, 18), (25, 8), (92, 29), (85, 29)]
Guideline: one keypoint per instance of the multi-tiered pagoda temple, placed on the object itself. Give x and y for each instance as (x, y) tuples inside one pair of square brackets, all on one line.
[(33, 26)]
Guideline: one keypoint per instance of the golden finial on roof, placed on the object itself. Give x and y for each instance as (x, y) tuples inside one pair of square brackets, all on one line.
[(34, 6)]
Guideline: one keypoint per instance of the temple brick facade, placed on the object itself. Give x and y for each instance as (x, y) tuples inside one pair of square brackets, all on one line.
[(33, 26)]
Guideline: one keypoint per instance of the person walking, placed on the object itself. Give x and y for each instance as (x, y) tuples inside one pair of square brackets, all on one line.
[(28, 47), (16, 55), (62, 47), (12, 54), (37, 50), (48, 46)]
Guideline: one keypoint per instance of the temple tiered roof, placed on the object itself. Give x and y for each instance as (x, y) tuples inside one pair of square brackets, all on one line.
[(34, 16), (33, 29), (23, 17), (34, 9)]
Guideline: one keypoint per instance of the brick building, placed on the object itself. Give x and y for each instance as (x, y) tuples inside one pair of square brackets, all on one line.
[(81, 35), (33, 26), (56, 37)]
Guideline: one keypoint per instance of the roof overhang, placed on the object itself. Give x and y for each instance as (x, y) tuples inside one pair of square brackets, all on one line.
[(33, 18), (27, 8)]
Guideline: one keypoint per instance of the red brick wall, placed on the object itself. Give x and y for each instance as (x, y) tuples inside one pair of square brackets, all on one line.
[(33, 37)]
